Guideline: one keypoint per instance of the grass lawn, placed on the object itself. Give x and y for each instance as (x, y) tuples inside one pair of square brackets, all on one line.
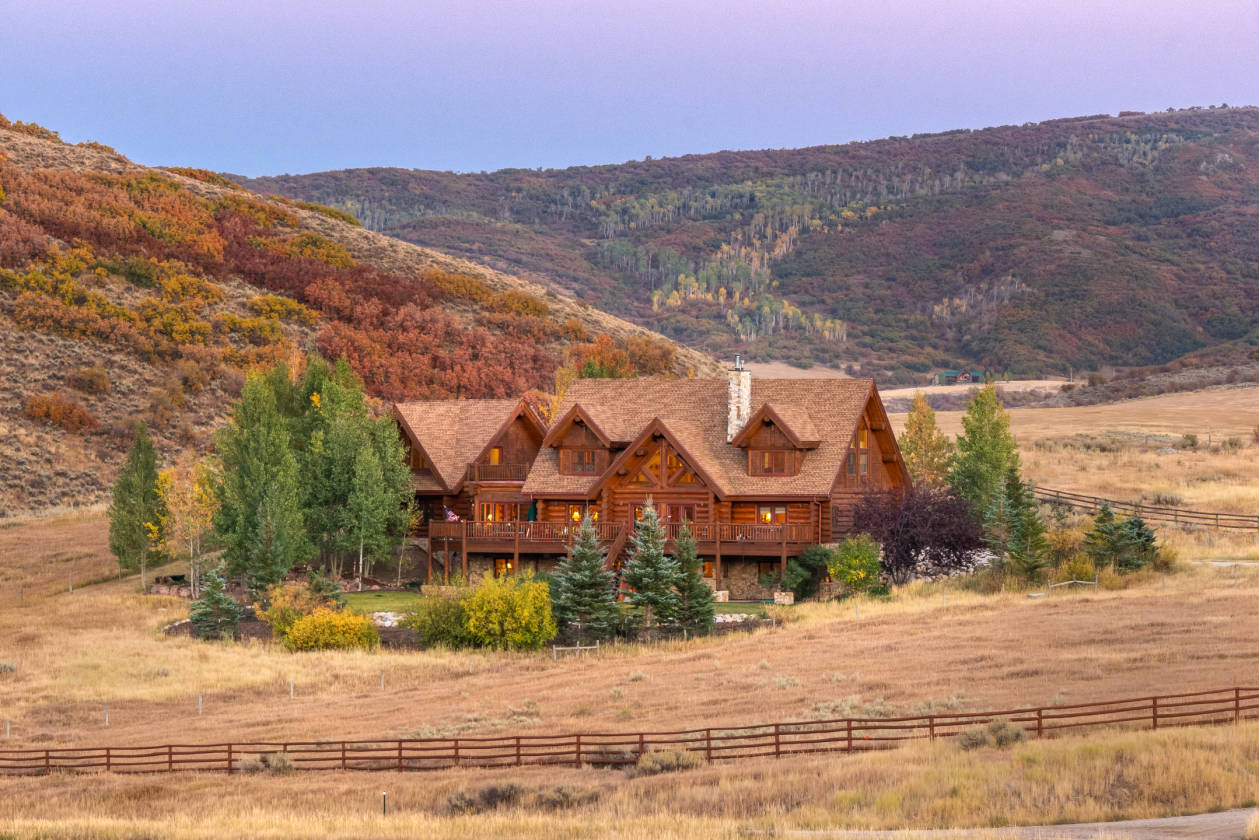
[(370, 602)]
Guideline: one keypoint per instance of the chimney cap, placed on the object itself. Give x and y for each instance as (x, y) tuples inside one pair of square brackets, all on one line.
[(738, 362)]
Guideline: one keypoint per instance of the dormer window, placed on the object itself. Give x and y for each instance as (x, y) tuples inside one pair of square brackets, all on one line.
[(770, 462), (496, 456), (584, 461)]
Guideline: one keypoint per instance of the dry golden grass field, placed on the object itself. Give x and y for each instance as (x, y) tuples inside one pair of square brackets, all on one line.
[(931, 646)]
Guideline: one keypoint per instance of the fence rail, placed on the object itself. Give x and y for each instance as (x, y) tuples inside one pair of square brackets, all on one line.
[(1153, 513), (1220, 706)]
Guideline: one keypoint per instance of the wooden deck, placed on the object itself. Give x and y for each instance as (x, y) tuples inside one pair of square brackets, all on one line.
[(555, 537)]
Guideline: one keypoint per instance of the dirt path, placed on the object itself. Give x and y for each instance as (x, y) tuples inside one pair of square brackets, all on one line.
[(1224, 825)]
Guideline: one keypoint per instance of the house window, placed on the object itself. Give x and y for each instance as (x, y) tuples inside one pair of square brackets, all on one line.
[(771, 514), (583, 461), (852, 463), (863, 462), (639, 512), (496, 456), (418, 462), (863, 438), (681, 513), (503, 567), (498, 512), (768, 570), (764, 462), (577, 512), (708, 568)]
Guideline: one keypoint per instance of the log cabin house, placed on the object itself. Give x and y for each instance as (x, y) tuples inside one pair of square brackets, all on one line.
[(757, 469)]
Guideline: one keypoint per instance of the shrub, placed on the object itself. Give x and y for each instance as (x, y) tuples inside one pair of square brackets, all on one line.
[(330, 212), (439, 622), (278, 764), (1078, 567), (288, 602), (1189, 441), (274, 306), (653, 762), (805, 572), (520, 303), (855, 563), (562, 798), (487, 798), (1232, 444), (89, 380), (512, 612), (998, 733), (60, 411), (325, 629)]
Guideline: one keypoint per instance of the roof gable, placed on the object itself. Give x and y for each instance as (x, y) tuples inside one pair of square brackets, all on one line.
[(656, 427), (799, 429), (454, 433), (573, 416)]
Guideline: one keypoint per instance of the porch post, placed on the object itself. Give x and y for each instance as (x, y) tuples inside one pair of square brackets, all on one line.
[(429, 579), (463, 550), (515, 549), (717, 559), (784, 557), (446, 559)]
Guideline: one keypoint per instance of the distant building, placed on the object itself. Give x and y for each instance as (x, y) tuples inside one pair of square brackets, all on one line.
[(959, 377)]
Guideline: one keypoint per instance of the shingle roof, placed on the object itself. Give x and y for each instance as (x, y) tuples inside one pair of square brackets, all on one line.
[(454, 432), (694, 412)]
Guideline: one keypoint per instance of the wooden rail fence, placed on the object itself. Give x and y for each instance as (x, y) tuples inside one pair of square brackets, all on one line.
[(1221, 706), (1153, 513)]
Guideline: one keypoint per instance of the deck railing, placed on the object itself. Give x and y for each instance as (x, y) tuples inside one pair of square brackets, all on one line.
[(497, 472), (562, 532), (848, 735)]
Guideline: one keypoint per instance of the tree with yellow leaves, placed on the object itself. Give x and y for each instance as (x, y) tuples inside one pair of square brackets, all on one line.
[(187, 488), (926, 450)]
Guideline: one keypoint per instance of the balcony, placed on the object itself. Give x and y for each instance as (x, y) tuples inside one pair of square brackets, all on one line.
[(497, 472), (553, 537)]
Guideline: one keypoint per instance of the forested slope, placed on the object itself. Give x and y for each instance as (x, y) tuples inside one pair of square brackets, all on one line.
[(1034, 249), (129, 293)]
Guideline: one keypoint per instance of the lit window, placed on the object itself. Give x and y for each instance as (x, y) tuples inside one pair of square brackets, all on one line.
[(503, 566), (863, 438), (771, 514), (708, 568), (769, 463), (496, 456)]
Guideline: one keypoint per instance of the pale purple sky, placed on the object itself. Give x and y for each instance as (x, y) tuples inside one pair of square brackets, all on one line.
[(270, 86)]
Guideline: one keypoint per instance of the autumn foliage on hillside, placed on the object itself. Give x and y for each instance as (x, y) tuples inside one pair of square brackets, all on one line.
[(1035, 249)]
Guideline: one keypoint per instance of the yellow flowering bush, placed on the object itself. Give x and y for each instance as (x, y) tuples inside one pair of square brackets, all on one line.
[(512, 612), (325, 629)]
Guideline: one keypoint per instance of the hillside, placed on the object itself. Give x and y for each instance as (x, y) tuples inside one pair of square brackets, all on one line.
[(1038, 249), (132, 293)]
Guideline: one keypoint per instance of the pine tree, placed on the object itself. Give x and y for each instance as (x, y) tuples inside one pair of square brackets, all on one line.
[(1102, 541), (926, 449), (215, 615), (986, 452), (1138, 545), (999, 524), (652, 574), (584, 588), (137, 510), (260, 514), (696, 604), (1027, 546)]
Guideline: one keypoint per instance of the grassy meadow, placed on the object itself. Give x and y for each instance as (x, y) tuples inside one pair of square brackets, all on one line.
[(929, 646)]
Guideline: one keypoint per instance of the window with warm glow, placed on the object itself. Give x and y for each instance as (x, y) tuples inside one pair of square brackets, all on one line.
[(708, 568), (769, 462), (503, 566), (496, 456), (576, 512), (771, 514), (498, 512)]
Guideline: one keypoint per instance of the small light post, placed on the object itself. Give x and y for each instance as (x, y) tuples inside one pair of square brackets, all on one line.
[(384, 803)]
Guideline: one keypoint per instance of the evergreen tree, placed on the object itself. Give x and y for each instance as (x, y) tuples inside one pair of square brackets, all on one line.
[(696, 603), (926, 449), (999, 524), (652, 574), (986, 452), (215, 615), (1102, 541), (137, 510), (260, 514), (584, 588), (1028, 546), (1138, 545)]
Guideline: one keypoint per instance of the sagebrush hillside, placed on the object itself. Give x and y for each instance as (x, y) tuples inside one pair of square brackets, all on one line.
[(1036, 249), (132, 293)]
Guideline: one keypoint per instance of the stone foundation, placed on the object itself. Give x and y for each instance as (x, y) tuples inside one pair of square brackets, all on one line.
[(741, 579)]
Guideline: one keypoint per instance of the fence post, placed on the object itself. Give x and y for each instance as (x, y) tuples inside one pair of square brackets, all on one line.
[(343, 755), (849, 735), (107, 760), (170, 758), (518, 751), (456, 752), (1040, 723), (1154, 711), (577, 741), (47, 763), (708, 745), (931, 726), (229, 759), (641, 745), (399, 754), (777, 741), (1237, 705)]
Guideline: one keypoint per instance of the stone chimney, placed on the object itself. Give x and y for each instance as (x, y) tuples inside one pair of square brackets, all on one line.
[(740, 398)]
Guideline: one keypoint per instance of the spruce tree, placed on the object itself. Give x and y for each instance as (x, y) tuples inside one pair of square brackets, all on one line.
[(926, 449), (1137, 543), (584, 588), (215, 615), (1027, 546), (652, 574), (1102, 541), (260, 514), (137, 510), (696, 604), (986, 452)]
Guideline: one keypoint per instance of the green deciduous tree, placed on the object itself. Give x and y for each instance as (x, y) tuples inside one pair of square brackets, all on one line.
[(696, 602), (584, 588), (855, 563), (986, 452), (652, 574), (260, 514), (926, 449), (137, 510)]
